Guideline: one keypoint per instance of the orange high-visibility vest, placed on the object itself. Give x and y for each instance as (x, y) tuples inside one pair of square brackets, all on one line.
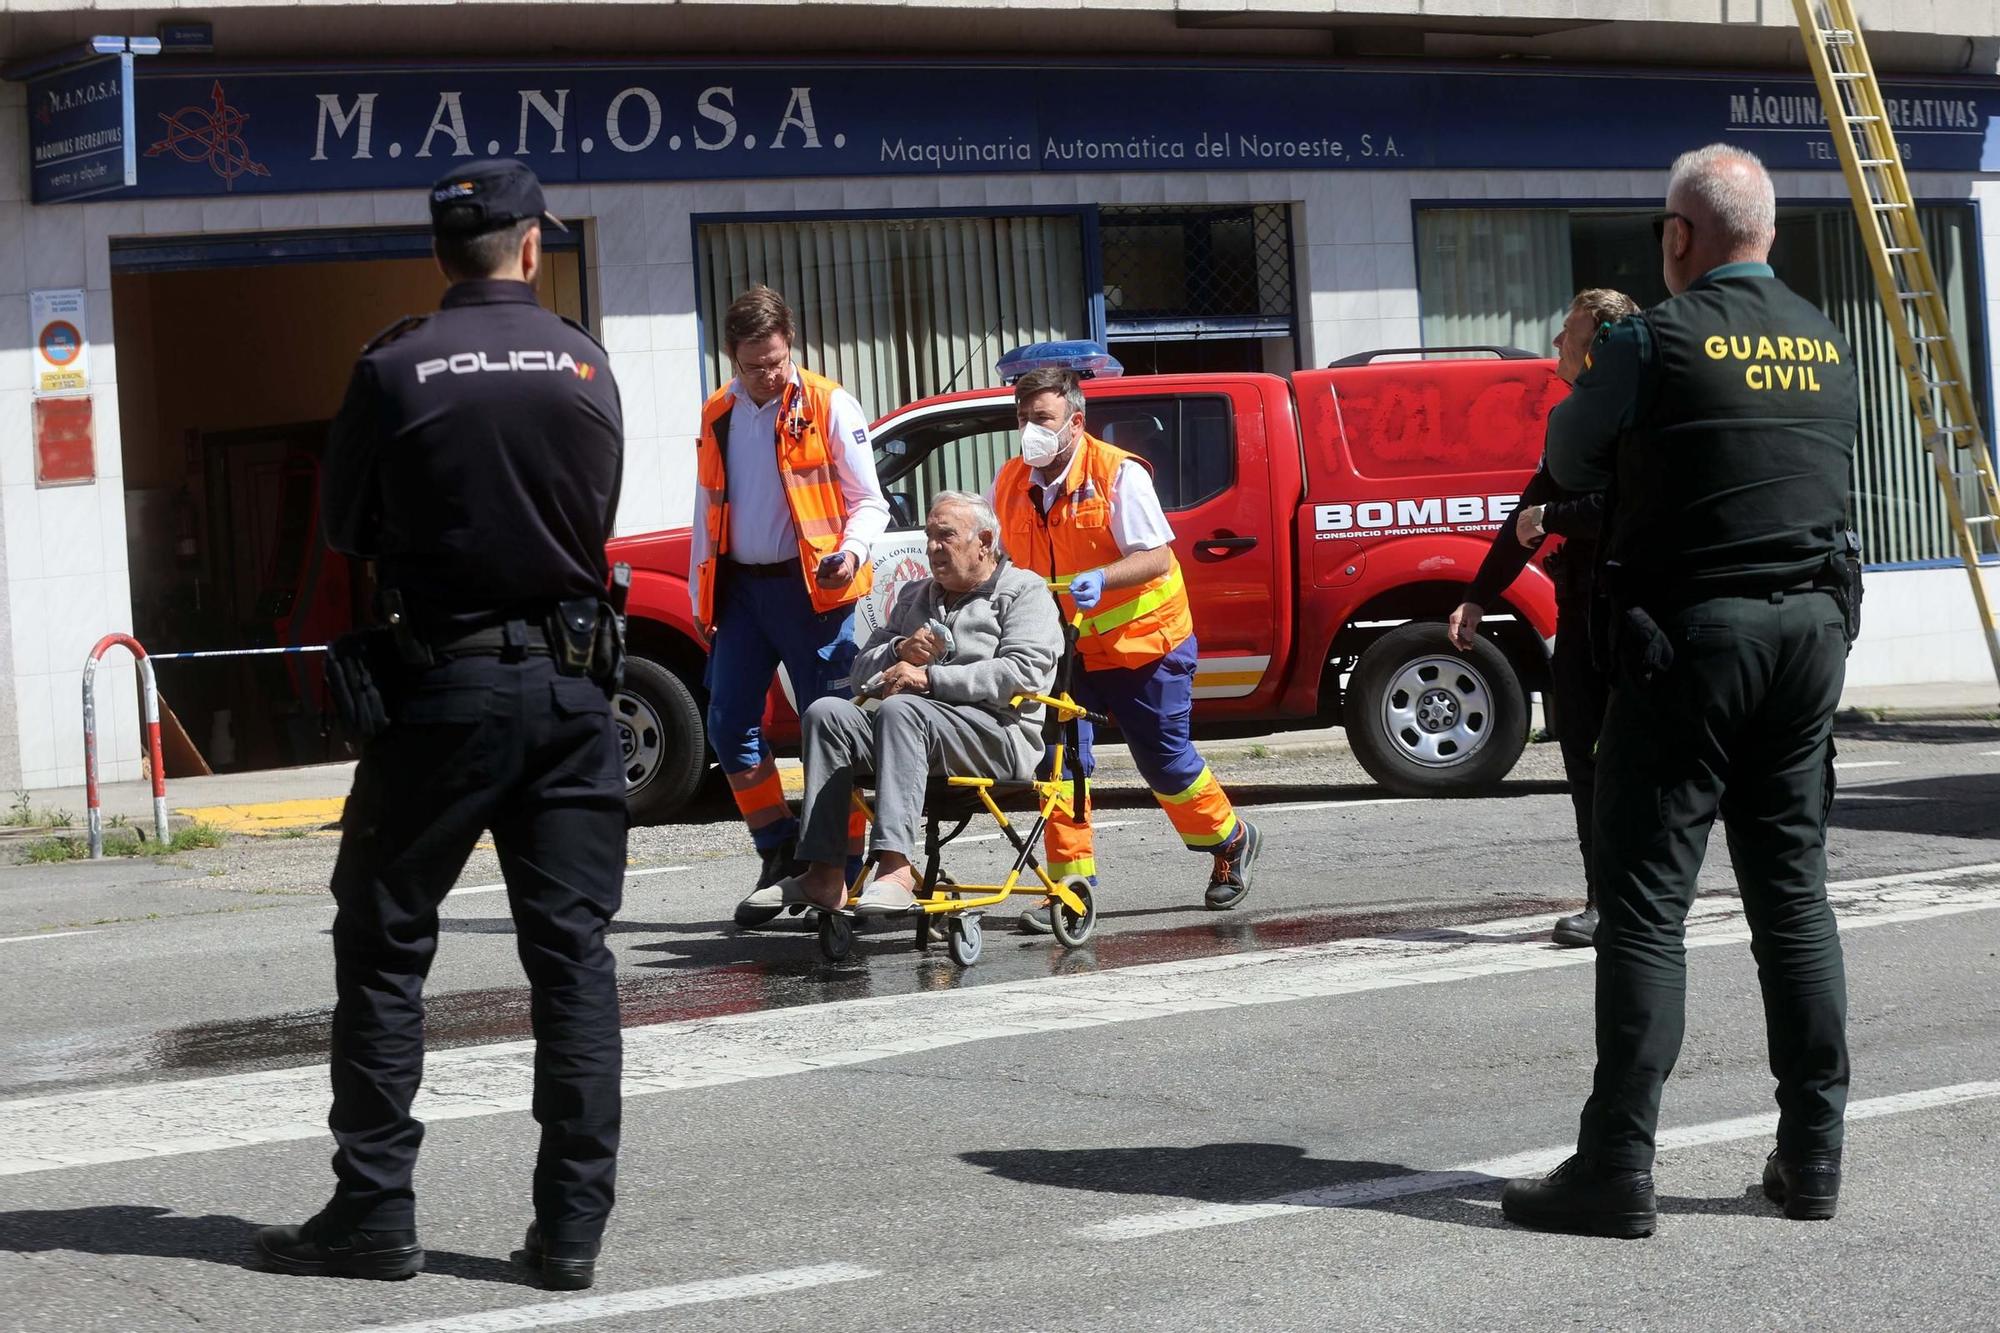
[(805, 451), (1130, 626)]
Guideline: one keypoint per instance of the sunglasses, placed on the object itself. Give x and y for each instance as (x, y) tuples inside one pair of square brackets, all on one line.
[(1660, 224)]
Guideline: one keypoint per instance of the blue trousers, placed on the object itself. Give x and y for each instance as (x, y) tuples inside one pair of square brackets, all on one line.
[(1152, 705), (762, 621)]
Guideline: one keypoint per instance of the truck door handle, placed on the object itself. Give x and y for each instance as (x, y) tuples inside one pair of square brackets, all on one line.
[(1217, 545)]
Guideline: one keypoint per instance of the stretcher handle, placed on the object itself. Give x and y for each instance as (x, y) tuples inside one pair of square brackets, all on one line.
[(1064, 706)]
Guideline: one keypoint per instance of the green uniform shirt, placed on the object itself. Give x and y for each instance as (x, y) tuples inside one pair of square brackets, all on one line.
[(1614, 390)]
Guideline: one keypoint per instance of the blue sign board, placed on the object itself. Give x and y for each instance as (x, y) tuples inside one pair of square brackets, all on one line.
[(80, 130), (209, 131)]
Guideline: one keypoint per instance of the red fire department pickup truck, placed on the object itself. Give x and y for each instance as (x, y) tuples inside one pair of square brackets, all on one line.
[(1327, 521)]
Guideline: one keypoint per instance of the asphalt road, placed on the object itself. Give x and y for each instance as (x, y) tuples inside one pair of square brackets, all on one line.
[(1049, 1140)]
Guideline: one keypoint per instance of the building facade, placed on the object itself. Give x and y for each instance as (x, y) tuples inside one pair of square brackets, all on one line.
[(1258, 185)]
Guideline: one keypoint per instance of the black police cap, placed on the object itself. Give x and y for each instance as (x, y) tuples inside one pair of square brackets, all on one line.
[(486, 195)]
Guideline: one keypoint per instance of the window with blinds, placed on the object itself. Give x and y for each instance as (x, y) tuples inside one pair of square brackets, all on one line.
[(1505, 275), (897, 309)]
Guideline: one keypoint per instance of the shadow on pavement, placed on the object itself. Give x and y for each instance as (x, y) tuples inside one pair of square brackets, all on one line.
[(1964, 805), (1209, 1173), (1237, 1173), (148, 1231)]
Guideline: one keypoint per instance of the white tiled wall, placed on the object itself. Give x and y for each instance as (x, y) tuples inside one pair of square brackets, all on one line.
[(65, 579)]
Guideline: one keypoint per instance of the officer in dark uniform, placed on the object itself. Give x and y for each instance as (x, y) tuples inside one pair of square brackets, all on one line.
[(476, 460), (1724, 421), (1579, 688)]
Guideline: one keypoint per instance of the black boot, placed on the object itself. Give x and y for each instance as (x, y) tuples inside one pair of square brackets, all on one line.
[(320, 1249), (765, 902), (565, 1265), (1586, 1199), (1807, 1189), (1578, 931)]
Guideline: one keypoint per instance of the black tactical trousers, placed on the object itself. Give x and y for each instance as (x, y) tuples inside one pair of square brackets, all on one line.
[(1740, 723), (1581, 692), (517, 748)]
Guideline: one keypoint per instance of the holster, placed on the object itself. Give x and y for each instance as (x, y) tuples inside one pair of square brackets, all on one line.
[(362, 671), (587, 634), (1844, 571)]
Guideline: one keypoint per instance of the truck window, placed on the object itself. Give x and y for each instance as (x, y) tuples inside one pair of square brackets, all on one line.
[(955, 451), (1189, 440)]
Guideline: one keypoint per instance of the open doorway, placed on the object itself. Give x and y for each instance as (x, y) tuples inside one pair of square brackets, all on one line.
[(233, 355)]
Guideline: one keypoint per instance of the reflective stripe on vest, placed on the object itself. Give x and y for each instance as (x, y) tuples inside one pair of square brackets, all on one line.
[(804, 452), (1130, 626)]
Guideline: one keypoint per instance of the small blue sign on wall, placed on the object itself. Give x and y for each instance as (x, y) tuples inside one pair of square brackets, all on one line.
[(80, 131)]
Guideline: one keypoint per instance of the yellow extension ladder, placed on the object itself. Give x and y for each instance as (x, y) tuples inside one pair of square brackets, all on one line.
[(1940, 392)]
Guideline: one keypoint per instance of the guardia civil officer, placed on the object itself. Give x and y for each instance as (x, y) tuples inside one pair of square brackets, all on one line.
[(1576, 681), (476, 460), (1724, 423)]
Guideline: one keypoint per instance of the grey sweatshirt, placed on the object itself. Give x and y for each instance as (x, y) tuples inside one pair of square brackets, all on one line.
[(1006, 636)]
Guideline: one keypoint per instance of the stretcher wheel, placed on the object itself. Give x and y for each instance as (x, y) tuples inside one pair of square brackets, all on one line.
[(1071, 929), (964, 939), (836, 936)]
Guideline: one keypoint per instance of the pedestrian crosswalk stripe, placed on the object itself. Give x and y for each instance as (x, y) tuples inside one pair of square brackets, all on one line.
[(1138, 1226), (56, 1132), (553, 1314)]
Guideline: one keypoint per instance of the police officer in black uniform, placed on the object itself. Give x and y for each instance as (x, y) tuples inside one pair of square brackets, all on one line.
[(476, 460), (1579, 688), (1724, 421)]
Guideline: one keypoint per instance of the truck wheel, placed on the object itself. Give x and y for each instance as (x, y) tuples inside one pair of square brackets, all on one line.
[(661, 740), (1427, 720)]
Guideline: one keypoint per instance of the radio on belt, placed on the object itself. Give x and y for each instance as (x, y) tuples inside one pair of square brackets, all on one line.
[(1090, 360)]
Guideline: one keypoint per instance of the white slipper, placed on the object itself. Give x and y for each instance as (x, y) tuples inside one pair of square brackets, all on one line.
[(793, 890), (880, 899)]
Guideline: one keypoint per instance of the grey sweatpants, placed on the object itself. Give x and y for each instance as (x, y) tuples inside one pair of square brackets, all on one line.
[(903, 743)]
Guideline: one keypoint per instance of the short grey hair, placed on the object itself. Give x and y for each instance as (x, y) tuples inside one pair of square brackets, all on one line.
[(1743, 203), (983, 517)]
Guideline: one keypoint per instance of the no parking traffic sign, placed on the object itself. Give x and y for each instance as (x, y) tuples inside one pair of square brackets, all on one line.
[(62, 351)]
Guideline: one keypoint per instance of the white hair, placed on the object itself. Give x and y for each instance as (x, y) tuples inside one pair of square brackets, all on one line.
[(1742, 202), (983, 517)]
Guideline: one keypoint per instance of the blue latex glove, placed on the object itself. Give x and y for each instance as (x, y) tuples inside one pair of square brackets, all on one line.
[(1087, 589)]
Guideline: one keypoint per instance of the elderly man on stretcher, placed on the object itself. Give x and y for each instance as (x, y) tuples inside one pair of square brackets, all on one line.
[(957, 649)]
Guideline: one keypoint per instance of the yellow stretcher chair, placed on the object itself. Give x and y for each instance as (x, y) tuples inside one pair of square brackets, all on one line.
[(952, 803)]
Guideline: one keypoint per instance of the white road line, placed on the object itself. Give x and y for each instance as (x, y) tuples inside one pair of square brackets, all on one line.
[(1867, 763), (45, 935), (470, 889), (551, 1313), (160, 1119), (1138, 1226)]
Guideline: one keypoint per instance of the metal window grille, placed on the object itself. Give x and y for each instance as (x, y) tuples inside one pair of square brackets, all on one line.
[(1175, 269)]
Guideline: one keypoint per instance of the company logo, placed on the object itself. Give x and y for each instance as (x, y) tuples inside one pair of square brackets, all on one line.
[(1409, 518), (214, 135)]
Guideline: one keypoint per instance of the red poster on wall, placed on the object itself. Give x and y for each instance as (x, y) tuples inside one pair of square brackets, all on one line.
[(65, 450)]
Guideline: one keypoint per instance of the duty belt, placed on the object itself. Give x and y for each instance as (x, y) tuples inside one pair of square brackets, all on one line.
[(776, 570), (525, 641)]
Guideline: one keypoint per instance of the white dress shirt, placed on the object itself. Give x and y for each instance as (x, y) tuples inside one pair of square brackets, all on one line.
[(1137, 521), (761, 531)]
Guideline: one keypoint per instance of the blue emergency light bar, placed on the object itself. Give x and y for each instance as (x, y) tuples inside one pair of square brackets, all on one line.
[(1088, 359)]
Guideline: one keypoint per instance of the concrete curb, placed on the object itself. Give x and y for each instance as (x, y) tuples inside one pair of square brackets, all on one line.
[(1931, 713)]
